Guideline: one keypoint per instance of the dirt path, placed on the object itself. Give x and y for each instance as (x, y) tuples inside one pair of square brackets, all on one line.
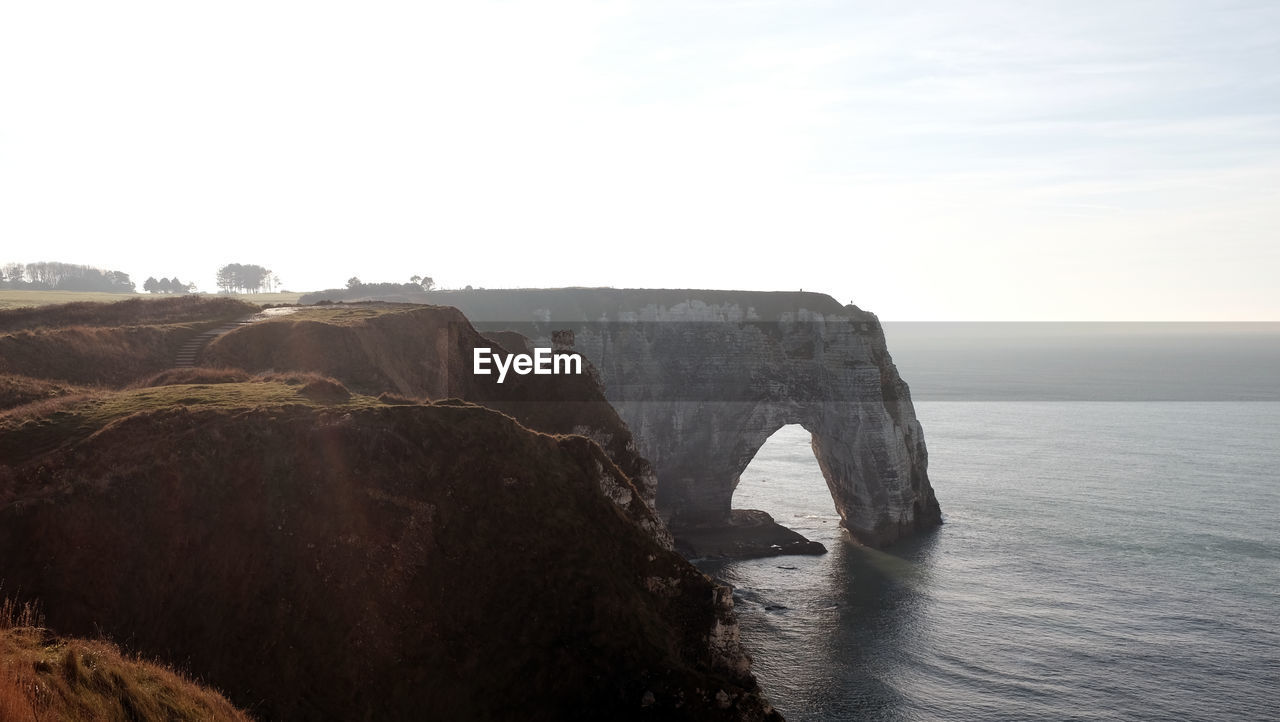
[(189, 353)]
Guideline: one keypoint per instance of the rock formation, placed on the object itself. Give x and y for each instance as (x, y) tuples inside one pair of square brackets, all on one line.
[(703, 378)]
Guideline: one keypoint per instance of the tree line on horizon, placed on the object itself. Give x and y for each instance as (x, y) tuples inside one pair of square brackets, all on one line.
[(246, 278), (230, 278), (167, 285), (416, 283), (53, 276)]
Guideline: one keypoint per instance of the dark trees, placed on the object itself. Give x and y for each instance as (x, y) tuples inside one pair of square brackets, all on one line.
[(166, 285), (51, 276), (245, 278)]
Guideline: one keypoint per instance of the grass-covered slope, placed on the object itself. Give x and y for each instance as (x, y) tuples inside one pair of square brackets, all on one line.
[(20, 390), (106, 343), (47, 677), (321, 556)]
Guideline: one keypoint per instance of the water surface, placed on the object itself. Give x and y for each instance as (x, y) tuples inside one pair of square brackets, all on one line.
[(1098, 561)]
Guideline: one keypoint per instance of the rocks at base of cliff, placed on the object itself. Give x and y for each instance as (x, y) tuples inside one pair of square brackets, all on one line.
[(750, 533)]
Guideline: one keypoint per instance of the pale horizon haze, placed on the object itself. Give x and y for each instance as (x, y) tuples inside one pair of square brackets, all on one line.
[(934, 161)]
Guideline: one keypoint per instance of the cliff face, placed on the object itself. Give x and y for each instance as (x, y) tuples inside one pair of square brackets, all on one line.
[(703, 378), (351, 560)]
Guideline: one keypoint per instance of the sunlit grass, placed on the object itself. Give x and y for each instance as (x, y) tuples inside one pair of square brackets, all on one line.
[(346, 314)]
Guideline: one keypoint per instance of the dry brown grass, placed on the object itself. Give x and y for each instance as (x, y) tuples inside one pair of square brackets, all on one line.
[(45, 408), (19, 390), (15, 614), (46, 677)]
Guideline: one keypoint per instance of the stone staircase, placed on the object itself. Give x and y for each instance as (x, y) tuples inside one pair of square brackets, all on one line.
[(189, 352)]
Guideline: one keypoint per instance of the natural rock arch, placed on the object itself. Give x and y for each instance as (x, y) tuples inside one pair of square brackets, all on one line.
[(878, 489), (703, 378)]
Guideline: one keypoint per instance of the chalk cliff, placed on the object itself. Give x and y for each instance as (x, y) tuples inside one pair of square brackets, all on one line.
[(703, 378)]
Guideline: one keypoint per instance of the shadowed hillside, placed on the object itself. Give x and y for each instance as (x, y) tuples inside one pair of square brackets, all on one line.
[(319, 554)]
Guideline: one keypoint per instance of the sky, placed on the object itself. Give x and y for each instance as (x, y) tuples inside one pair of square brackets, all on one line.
[(1028, 160)]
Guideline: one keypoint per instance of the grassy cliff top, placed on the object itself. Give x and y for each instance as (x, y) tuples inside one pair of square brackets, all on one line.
[(30, 430)]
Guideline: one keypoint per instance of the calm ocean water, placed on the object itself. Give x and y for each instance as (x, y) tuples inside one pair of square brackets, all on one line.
[(1098, 561)]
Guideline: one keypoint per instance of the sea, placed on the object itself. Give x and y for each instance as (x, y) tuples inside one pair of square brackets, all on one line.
[(1099, 559)]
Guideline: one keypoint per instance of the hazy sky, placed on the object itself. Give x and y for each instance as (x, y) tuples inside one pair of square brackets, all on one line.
[(926, 160)]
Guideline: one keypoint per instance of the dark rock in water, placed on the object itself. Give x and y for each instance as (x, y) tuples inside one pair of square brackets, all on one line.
[(750, 533)]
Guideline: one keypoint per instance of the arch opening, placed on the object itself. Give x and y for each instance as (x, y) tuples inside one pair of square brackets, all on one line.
[(785, 480)]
